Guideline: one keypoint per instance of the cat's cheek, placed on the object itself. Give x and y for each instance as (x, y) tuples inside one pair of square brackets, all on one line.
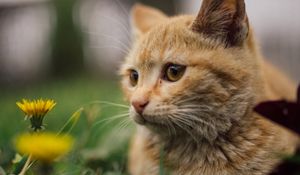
[(127, 89)]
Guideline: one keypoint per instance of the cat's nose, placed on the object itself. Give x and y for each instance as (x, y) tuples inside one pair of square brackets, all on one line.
[(140, 105)]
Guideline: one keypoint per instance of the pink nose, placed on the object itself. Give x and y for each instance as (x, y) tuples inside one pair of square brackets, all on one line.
[(140, 105)]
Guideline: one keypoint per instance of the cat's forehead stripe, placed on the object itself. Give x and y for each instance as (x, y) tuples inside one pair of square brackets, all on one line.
[(154, 45), (164, 44)]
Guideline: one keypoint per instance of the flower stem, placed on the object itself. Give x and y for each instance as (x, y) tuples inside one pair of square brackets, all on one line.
[(26, 166)]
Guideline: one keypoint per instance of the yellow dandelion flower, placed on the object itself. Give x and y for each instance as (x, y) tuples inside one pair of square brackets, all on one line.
[(44, 146), (35, 110)]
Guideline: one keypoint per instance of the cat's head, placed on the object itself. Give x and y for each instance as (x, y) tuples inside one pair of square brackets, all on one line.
[(190, 74)]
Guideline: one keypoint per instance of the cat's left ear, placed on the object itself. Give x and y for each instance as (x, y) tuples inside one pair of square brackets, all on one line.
[(225, 20), (144, 18)]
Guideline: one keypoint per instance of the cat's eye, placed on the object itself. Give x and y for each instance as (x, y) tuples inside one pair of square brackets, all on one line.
[(133, 77), (173, 72)]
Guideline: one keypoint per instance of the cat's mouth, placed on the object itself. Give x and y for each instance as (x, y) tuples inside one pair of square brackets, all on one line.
[(147, 118)]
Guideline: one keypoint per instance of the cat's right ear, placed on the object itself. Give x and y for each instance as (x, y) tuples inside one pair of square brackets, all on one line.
[(225, 20), (144, 18)]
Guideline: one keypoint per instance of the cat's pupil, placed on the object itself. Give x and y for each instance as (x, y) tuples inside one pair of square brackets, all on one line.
[(134, 76), (174, 72)]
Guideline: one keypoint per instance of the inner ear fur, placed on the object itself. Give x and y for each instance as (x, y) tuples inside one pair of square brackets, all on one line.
[(225, 20), (145, 17)]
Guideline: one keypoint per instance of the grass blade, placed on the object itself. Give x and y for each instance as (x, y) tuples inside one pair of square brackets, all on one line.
[(69, 125)]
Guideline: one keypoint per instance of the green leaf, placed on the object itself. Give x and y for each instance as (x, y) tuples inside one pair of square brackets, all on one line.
[(69, 125), (18, 166)]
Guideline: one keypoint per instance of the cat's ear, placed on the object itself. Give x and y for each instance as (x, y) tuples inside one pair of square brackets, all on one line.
[(144, 18), (225, 20)]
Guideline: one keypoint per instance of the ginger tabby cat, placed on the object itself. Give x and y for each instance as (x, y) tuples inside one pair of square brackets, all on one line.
[(192, 83)]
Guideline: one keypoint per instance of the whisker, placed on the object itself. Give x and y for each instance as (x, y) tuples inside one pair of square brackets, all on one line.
[(110, 119), (128, 34), (108, 103), (189, 132), (123, 8), (184, 120), (199, 107), (104, 106), (189, 116), (124, 123), (119, 125), (115, 128), (182, 100), (188, 98), (115, 47), (194, 118), (111, 37)]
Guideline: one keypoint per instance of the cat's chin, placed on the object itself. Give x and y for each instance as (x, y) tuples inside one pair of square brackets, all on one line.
[(139, 119), (145, 121)]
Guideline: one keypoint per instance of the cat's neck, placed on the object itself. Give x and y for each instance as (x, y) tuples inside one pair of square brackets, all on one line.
[(166, 136), (238, 143)]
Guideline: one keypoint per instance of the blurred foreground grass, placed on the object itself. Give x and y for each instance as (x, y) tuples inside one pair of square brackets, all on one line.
[(101, 145)]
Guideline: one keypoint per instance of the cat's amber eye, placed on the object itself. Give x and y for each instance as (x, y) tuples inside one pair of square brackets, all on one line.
[(133, 77), (173, 72)]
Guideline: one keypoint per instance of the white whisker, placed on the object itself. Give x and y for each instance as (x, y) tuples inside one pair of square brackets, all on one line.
[(115, 47), (123, 124), (191, 116), (111, 37), (128, 34), (184, 120), (123, 8), (197, 119), (110, 119), (108, 103), (189, 132), (186, 99)]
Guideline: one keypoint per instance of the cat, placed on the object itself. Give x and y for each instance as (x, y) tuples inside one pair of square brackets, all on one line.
[(192, 83)]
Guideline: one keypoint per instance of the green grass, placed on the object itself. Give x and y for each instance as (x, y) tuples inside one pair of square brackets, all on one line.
[(100, 146)]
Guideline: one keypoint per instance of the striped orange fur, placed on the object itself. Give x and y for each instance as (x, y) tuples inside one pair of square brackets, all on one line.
[(204, 122)]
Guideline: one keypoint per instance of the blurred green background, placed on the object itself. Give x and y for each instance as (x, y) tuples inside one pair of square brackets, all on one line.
[(47, 51), (100, 146)]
